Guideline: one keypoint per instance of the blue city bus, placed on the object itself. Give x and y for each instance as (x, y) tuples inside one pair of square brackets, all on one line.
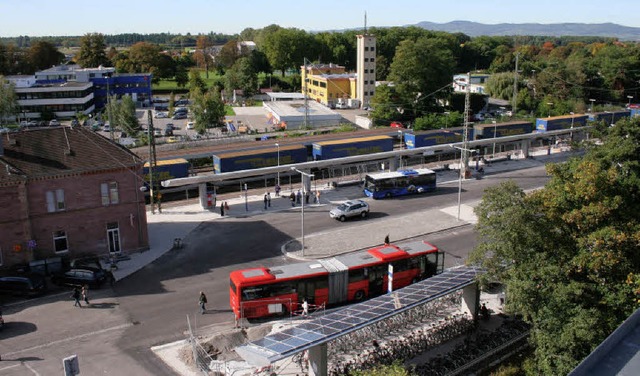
[(398, 183)]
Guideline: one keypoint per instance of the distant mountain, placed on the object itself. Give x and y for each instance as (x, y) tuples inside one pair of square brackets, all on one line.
[(474, 29)]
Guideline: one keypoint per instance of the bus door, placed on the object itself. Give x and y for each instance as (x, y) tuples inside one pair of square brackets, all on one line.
[(307, 289), (377, 276), (338, 280)]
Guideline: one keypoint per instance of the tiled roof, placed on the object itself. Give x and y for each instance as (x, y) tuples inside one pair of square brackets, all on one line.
[(59, 151)]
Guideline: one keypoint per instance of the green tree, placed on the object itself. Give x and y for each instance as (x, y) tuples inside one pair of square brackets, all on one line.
[(43, 55), (181, 77), (242, 76), (568, 252), (208, 110), (286, 48), (196, 83), (122, 115), (92, 51), (8, 100), (385, 105), (421, 71)]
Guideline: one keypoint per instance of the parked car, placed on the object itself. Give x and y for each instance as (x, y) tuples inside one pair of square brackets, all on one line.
[(168, 130), (191, 125), (395, 124), (180, 109), (180, 115), (353, 208), (22, 285), (161, 115), (106, 127), (54, 123), (77, 277), (30, 123), (157, 132)]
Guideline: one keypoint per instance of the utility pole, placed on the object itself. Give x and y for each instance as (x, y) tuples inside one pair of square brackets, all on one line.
[(515, 88), (152, 163), (306, 100)]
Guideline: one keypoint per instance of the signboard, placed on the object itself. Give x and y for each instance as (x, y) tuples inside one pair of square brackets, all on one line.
[(390, 284)]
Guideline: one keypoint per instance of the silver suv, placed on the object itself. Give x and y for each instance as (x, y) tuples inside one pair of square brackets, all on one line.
[(350, 209)]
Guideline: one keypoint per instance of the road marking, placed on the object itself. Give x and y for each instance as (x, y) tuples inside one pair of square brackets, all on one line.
[(31, 369), (7, 367), (118, 327)]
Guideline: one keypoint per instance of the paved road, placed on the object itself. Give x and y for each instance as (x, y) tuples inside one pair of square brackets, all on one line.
[(150, 307)]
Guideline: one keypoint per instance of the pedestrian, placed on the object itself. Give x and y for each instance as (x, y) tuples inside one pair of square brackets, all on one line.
[(298, 198), (292, 197), (265, 201), (317, 197), (386, 240), (269, 199), (226, 207), (221, 208), (76, 297), (85, 294), (306, 197), (277, 190), (305, 307), (202, 301), (110, 277)]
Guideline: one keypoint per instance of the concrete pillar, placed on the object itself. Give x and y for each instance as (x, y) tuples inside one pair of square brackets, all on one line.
[(471, 300), (306, 180), (202, 195), (393, 164), (525, 148), (318, 360)]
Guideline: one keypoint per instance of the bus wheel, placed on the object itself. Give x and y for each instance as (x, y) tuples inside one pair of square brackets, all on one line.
[(387, 195), (359, 295)]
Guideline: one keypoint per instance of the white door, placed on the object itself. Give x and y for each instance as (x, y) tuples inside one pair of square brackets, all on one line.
[(113, 237)]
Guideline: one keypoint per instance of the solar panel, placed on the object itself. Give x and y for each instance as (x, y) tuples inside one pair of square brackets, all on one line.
[(323, 329)]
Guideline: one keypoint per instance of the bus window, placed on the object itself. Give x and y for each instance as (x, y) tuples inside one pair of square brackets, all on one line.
[(233, 287), (357, 275)]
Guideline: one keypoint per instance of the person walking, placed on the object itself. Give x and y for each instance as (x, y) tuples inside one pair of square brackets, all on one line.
[(277, 189), (298, 198), (76, 297), (269, 199), (292, 197), (305, 307), (317, 197), (202, 301), (85, 294), (222, 208), (226, 207), (265, 201), (306, 197), (386, 240)]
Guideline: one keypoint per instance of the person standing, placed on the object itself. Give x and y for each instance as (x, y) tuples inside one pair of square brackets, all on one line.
[(298, 198), (265, 201), (85, 294), (386, 240), (305, 307), (226, 207), (76, 297), (222, 208), (202, 301), (292, 197), (269, 199), (277, 189), (306, 197), (317, 197)]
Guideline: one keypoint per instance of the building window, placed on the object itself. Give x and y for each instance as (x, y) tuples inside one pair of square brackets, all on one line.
[(366, 59), (366, 71), (109, 193), (372, 59), (373, 48), (366, 48), (60, 242), (55, 200)]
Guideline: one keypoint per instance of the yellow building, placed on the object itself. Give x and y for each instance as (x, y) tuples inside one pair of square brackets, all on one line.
[(328, 84)]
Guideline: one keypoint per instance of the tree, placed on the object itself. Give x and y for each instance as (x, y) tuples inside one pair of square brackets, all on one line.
[(385, 105), (228, 54), (92, 51), (196, 83), (181, 77), (242, 76), (8, 100), (122, 115), (208, 110), (568, 253), (286, 48), (43, 55), (202, 56), (421, 71)]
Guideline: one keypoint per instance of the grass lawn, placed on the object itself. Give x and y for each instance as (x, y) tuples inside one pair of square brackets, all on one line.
[(171, 85)]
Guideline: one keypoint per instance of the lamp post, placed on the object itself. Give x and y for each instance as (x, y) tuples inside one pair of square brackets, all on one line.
[(550, 104), (460, 174), (278, 146), (302, 175), (630, 97), (495, 131), (591, 107), (446, 120), (246, 199)]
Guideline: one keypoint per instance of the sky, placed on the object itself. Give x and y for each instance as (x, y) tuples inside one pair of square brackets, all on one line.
[(59, 18)]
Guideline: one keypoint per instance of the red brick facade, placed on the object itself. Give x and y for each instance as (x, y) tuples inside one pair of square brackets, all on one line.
[(27, 226)]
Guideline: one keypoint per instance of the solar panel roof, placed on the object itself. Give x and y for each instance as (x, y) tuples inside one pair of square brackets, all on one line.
[(323, 329)]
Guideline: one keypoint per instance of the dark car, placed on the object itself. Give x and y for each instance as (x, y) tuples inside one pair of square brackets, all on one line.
[(168, 130), (22, 285), (179, 115), (78, 277)]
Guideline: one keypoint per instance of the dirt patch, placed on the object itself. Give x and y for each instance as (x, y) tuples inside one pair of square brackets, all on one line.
[(220, 346)]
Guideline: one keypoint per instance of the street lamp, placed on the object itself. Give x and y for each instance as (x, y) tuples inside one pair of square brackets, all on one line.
[(246, 199), (591, 107), (630, 97), (460, 175), (302, 175), (278, 146), (550, 104), (446, 120), (495, 130)]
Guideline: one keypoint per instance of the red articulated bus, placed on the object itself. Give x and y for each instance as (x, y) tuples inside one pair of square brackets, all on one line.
[(262, 292)]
